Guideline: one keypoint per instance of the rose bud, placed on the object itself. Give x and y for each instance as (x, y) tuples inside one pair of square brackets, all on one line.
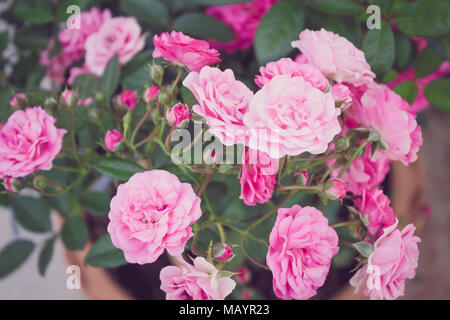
[(150, 93), (156, 73), (179, 115), (129, 99), (112, 140), (13, 185), (40, 182), (243, 275), (15, 99), (70, 97), (223, 251), (335, 189)]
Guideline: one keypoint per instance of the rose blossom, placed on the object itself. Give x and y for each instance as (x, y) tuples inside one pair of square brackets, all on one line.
[(288, 116), (29, 141), (151, 212), (223, 101), (243, 19), (375, 209), (285, 66), (342, 94), (335, 56), (178, 115), (121, 36), (394, 260), (180, 48), (200, 281), (258, 177), (112, 139), (300, 252), (150, 93), (384, 111), (14, 101), (129, 99), (56, 65)]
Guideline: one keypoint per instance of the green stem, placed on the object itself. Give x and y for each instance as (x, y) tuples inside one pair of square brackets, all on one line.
[(355, 154)]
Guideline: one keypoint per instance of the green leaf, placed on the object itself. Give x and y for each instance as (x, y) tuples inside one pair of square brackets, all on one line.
[(403, 50), (219, 2), (104, 254), (153, 12), (425, 18), (4, 39), (385, 5), (407, 90), (29, 39), (33, 214), (200, 25), (33, 11), (364, 248), (277, 29), (379, 49), (46, 255), (121, 169), (441, 46), (427, 62), (74, 233), (13, 255), (86, 85), (138, 63), (438, 94), (96, 203), (337, 6), (111, 76)]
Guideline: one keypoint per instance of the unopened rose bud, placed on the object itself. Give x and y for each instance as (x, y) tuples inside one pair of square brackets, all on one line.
[(16, 100), (156, 73), (40, 182), (50, 103), (335, 189), (13, 185), (179, 115), (129, 99), (243, 275), (94, 115), (150, 93), (223, 251), (70, 98), (113, 138), (99, 97), (164, 98), (342, 143)]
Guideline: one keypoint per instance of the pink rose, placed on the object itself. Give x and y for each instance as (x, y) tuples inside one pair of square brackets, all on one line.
[(178, 115), (288, 116), (342, 95), (258, 177), (151, 212), (112, 139), (182, 49), (129, 99), (29, 141), (375, 209), (335, 56), (121, 36), (56, 65), (336, 190), (151, 93), (14, 101), (243, 275), (285, 66), (223, 251), (201, 281), (393, 261), (382, 110), (223, 101), (300, 252), (8, 183), (243, 19)]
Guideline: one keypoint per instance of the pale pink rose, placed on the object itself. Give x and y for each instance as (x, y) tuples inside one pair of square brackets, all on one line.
[(56, 65), (285, 66), (364, 172), (335, 56), (258, 177), (301, 58), (375, 209), (119, 35), (222, 101), (288, 116), (243, 19), (75, 72), (129, 99), (342, 94), (112, 139), (151, 93), (151, 212), (184, 50), (14, 101), (336, 190), (300, 252), (384, 111), (29, 141), (178, 115), (201, 281), (393, 261)]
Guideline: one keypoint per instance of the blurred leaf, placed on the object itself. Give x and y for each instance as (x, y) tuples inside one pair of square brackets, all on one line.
[(343, 27), (13, 255), (31, 39), (337, 6), (121, 169), (35, 76), (111, 76), (61, 203), (219, 2), (33, 214), (4, 39), (441, 46), (33, 11), (153, 12), (344, 257), (427, 62), (46, 255), (438, 94), (379, 49), (403, 50), (425, 18), (407, 90), (74, 233), (86, 85), (200, 25), (104, 254), (385, 5), (94, 202), (138, 63), (277, 29)]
